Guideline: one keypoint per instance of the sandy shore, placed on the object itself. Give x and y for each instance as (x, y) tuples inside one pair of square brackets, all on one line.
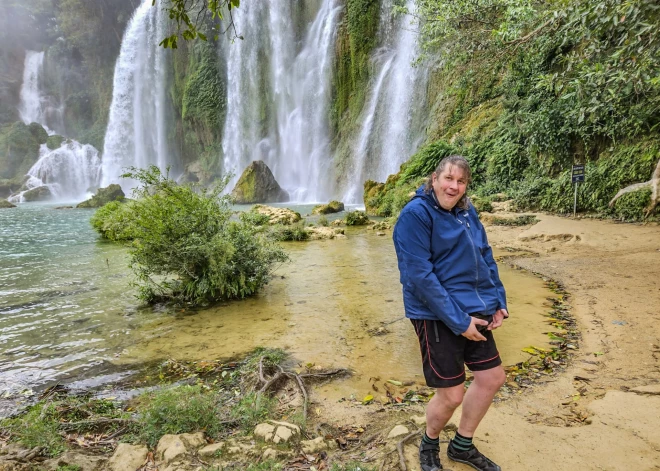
[(612, 272), (603, 411)]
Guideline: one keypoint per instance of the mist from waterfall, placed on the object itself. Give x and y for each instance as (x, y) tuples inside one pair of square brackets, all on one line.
[(279, 94), (136, 134), (390, 132)]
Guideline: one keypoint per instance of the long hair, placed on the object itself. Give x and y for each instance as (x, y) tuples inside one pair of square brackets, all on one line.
[(457, 161)]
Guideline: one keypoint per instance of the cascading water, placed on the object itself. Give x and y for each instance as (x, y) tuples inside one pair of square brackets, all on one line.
[(136, 134), (389, 133), (278, 96), (34, 107), (67, 172)]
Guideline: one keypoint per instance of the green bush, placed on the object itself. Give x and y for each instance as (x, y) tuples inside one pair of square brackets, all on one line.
[(289, 232), (184, 246), (323, 221), (38, 427), (356, 218), (482, 204), (181, 409), (632, 206), (252, 409)]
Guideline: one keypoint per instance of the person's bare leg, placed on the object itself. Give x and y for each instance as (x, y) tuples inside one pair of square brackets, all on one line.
[(441, 407), (478, 398)]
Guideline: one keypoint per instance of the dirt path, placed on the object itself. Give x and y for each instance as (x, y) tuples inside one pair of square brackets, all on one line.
[(612, 272)]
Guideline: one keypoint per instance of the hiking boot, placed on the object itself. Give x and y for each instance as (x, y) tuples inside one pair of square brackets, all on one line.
[(472, 457), (429, 457)]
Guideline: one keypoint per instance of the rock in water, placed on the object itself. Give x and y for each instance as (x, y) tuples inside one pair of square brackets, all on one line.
[(103, 196), (6, 204), (258, 185), (40, 193)]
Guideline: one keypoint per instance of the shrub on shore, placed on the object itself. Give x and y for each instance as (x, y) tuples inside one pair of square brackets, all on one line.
[(184, 245)]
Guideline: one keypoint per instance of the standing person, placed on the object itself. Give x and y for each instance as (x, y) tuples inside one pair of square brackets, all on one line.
[(453, 295)]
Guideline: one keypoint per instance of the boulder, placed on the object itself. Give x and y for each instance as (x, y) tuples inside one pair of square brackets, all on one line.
[(320, 233), (127, 457), (104, 196), (278, 215), (6, 204), (54, 142), (171, 447), (311, 447), (258, 185), (40, 193), (276, 432), (331, 207)]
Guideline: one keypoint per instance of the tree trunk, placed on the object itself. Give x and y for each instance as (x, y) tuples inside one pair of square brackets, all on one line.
[(653, 183)]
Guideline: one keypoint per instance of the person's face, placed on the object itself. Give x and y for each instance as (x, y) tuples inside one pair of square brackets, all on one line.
[(449, 186)]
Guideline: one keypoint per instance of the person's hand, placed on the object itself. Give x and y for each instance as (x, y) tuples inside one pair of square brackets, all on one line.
[(498, 318), (472, 333)]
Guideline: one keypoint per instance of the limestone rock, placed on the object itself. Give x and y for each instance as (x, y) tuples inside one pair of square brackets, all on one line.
[(310, 447), (82, 461), (55, 141), (319, 233), (398, 431), (171, 447), (104, 196), (6, 204), (331, 207), (277, 432), (40, 193), (211, 450), (269, 454), (258, 185), (264, 431), (127, 457), (278, 215)]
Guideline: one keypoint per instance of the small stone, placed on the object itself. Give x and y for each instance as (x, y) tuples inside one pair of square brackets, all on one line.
[(419, 420), (211, 450), (264, 431), (170, 447), (127, 457), (380, 233), (282, 434), (310, 447), (269, 454), (398, 431)]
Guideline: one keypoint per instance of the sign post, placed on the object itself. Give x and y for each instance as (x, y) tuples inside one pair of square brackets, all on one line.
[(577, 176)]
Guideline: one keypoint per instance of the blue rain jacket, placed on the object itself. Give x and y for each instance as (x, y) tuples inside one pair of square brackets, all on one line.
[(446, 265)]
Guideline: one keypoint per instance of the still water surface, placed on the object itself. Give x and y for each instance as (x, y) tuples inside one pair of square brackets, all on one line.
[(67, 312)]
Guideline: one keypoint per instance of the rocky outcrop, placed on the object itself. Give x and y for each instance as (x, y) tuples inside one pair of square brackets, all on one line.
[(276, 431), (40, 193), (127, 457), (278, 215), (6, 204), (258, 185), (331, 207), (104, 196), (321, 233)]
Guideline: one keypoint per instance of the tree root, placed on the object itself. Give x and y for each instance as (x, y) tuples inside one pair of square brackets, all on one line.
[(399, 447), (653, 183)]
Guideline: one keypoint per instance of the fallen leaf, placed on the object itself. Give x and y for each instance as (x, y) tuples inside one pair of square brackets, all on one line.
[(395, 382)]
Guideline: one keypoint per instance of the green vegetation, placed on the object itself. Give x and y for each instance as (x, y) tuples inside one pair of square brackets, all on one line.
[(527, 89), (184, 247), (19, 148), (180, 409), (289, 232), (104, 196), (356, 218)]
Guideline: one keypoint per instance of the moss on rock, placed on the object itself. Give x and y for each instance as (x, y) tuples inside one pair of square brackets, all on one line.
[(55, 141), (282, 216), (40, 193), (357, 218), (6, 204), (19, 148), (104, 196), (331, 207), (258, 185)]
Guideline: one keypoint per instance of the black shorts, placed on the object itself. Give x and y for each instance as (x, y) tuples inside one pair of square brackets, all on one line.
[(444, 353)]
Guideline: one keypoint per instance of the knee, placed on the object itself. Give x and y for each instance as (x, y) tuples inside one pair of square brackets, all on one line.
[(452, 397), (494, 379)]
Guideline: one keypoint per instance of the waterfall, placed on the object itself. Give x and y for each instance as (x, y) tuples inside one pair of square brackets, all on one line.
[(278, 96), (390, 134), (136, 133), (34, 107), (69, 172)]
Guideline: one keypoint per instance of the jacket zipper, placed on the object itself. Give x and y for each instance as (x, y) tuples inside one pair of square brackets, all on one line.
[(476, 260)]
